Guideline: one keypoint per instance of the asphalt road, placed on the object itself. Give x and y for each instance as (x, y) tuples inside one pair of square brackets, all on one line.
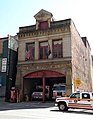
[(39, 110)]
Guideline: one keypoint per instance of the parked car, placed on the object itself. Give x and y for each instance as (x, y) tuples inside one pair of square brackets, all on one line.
[(38, 93)]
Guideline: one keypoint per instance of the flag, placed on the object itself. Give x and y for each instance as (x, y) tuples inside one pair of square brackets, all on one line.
[(12, 43), (27, 55)]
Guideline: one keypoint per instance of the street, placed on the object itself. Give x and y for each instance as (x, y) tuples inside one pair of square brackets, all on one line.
[(39, 110)]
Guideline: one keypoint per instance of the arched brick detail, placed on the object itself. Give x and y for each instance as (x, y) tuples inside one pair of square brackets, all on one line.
[(44, 73)]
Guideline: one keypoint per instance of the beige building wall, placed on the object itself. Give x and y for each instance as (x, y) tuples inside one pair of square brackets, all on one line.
[(66, 40), (21, 50), (67, 46)]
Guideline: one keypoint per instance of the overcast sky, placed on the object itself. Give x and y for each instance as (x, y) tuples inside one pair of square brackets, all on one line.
[(18, 13)]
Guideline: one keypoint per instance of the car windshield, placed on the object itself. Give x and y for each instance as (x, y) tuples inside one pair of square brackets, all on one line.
[(59, 88), (75, 95), (40, 90)]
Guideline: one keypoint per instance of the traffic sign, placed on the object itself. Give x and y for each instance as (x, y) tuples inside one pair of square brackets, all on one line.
[(77, 82)]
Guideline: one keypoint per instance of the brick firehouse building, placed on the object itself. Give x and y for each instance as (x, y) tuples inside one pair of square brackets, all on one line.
[(52, 52)]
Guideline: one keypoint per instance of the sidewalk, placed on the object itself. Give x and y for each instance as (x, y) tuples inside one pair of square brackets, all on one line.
[(2, 99), (25, 105)]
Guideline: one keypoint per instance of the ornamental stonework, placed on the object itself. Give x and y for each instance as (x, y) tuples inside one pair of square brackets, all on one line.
[(26, 33), (44, 66)]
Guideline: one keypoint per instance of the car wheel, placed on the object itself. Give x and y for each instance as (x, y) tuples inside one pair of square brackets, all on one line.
[(62, 107)]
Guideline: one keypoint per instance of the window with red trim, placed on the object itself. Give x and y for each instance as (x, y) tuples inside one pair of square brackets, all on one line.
[(43, 48), (30, 51), (57, 48), (43, 25)]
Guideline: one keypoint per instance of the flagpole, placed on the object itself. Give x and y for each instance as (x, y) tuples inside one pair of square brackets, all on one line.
[(11, 67), (7, 76), (7, 98)]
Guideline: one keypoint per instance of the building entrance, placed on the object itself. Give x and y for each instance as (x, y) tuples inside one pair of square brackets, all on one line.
[(39, 85)]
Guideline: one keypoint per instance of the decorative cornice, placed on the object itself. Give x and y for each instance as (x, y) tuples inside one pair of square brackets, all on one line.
[(38, 33)]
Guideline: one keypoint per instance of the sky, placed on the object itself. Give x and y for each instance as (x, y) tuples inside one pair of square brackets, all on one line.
[(18, 13)]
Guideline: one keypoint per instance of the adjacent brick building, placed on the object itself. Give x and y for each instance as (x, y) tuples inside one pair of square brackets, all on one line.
[(52, 52), (8, 62), (3, 65), (92, 73)]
